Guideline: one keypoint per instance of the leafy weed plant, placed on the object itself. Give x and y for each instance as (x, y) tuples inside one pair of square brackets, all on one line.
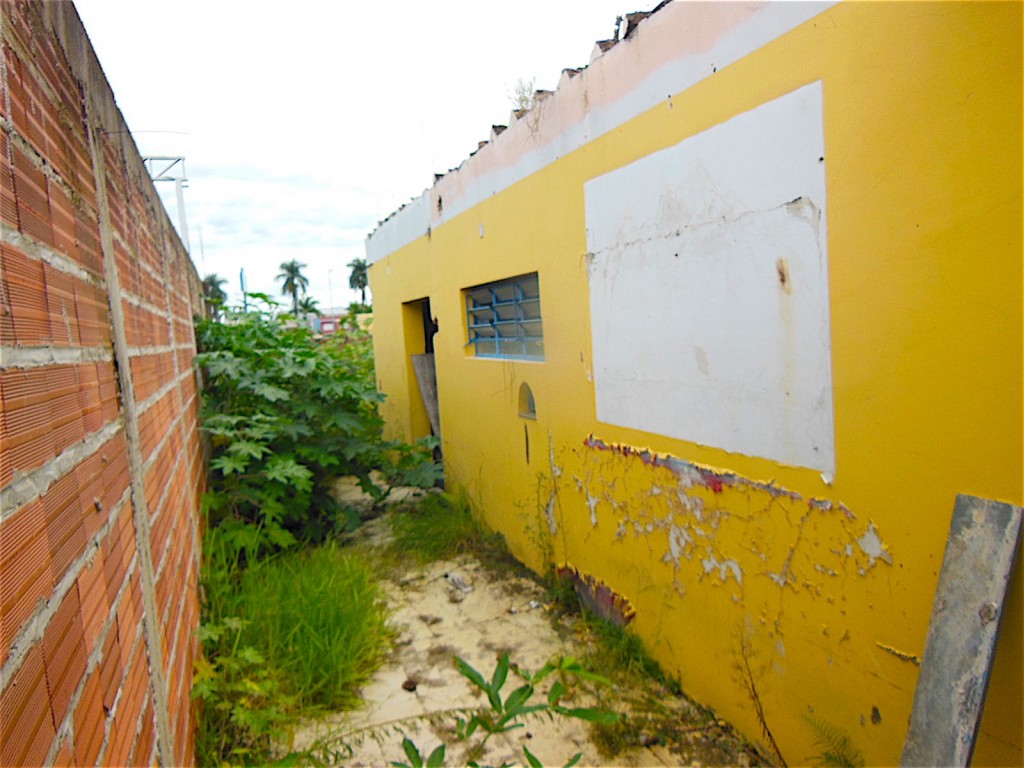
[(241, 708), (836, 748), (286, 415), (506, 713)]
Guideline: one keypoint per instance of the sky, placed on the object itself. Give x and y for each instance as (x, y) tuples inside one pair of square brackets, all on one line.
[(304, 123)]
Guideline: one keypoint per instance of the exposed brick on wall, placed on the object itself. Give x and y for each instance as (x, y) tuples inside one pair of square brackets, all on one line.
[(101, 465)]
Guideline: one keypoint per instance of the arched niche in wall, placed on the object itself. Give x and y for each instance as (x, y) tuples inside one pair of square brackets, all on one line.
[(527, 405)]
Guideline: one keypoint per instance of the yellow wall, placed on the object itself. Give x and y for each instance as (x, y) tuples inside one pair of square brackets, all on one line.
[(922, 124)]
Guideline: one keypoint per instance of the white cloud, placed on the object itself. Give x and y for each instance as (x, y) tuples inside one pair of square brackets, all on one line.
[(304, 123)]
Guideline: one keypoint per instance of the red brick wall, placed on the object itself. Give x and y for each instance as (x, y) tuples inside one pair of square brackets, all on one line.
[(101, 466)]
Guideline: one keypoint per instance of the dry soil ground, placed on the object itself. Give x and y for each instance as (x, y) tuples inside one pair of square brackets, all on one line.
[(417, 689)]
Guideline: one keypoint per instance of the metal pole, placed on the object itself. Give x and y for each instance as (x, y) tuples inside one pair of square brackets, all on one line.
[(178, 187), (202, 252), (163, 168)]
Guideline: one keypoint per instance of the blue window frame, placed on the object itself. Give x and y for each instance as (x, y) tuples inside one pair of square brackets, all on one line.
[(503, 318)]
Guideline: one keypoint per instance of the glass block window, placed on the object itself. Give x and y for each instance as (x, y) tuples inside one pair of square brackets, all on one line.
[(503, 318)]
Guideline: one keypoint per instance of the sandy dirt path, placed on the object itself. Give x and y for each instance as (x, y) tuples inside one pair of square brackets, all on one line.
[(418, 687)]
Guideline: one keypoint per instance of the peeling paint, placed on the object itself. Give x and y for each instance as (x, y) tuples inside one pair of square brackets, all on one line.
[(872, 546), (598, 597), (724, 568), (713, 521), (678, 543), (549, 512), (592, 504), (689, 473), (556, 471), (780, 560), (913, 658), (693, 504)]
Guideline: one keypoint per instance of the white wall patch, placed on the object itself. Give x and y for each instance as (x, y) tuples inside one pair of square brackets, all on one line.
[(709, 287)]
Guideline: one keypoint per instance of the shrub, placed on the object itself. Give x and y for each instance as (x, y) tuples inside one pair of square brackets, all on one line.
[(287, 414)]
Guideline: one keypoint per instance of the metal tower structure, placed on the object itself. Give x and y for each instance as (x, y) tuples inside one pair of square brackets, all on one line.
[(168, 168)]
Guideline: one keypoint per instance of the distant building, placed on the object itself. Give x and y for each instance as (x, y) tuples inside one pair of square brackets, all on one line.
[(329, 320)]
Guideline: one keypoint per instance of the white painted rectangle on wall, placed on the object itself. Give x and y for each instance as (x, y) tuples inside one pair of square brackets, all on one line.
[(709, 299)]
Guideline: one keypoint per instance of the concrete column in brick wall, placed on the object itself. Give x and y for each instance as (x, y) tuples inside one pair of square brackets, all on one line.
[(192, 491), (164, 750)]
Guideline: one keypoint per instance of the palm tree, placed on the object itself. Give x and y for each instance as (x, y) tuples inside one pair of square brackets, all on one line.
[(293, 282), (308, 306), (358, 279), (213, 295)]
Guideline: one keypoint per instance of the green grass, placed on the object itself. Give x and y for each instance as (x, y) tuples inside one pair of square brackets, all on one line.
[(318, 619), (442, 526), (614, 647), (620, 649)]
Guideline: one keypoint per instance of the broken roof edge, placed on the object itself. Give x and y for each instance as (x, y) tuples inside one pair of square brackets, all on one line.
[(412, 219), (661, 55)]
